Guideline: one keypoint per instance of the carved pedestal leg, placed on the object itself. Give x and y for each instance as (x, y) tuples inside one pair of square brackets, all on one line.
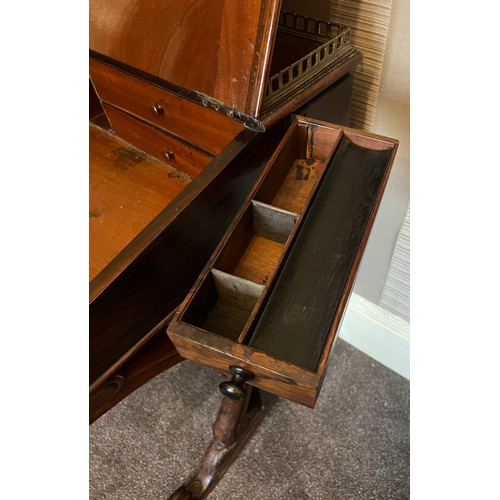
[(235, 424)]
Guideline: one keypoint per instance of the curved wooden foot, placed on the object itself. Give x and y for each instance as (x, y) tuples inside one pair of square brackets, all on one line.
[(235, 424), (181, 493)]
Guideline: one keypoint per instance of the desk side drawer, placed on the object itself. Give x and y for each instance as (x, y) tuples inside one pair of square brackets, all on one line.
[(178, 154), (272, 297), (196, 124)]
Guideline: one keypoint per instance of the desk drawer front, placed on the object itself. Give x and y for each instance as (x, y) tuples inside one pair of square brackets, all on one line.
[(272, 296), (196, 124), (181, 156)]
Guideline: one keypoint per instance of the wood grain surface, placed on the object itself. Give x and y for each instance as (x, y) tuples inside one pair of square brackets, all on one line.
[(128, 188), (220, 48), (271, 374), (156, 356), (196, 124), (151, 276), (171, 150)]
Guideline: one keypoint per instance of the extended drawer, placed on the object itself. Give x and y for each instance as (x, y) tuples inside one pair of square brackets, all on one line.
[(184, 157), (196, 124), (271, 298)]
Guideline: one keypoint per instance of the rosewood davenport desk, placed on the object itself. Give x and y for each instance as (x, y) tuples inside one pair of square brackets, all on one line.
[(228, 214)]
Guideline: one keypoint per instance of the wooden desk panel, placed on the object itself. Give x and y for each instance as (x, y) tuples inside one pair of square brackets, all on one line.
[(128, 189), (220, 48)]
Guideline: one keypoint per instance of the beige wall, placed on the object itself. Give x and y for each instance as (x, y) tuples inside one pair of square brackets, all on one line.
[(392, 118), (396, 71)]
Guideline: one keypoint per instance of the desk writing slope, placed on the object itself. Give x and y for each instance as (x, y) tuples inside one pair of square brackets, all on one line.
[(297, 318), (127, 190)]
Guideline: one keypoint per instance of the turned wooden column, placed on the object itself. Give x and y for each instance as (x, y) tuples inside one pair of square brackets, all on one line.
[(240, 413)]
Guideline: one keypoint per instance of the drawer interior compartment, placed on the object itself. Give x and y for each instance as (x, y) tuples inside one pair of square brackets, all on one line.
[(254, 248), (272, 296), (256, 245), (236, 282), (297, 166), (223, 304)]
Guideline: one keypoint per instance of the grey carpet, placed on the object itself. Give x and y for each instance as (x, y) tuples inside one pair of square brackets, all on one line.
[(353, 445)]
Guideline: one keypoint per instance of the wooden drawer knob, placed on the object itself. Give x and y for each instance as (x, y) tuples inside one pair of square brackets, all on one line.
[(233, 388), (156, 109), (168, 155)]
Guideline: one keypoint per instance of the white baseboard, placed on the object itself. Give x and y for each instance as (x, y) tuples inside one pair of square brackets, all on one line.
[(378, 333)]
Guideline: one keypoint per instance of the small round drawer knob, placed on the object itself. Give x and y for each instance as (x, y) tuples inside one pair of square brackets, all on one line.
[(233, 388), (168, 155), (156, 109)]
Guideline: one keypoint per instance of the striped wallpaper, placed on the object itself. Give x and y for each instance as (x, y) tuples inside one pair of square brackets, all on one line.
[(396, 293), (369, 20)]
